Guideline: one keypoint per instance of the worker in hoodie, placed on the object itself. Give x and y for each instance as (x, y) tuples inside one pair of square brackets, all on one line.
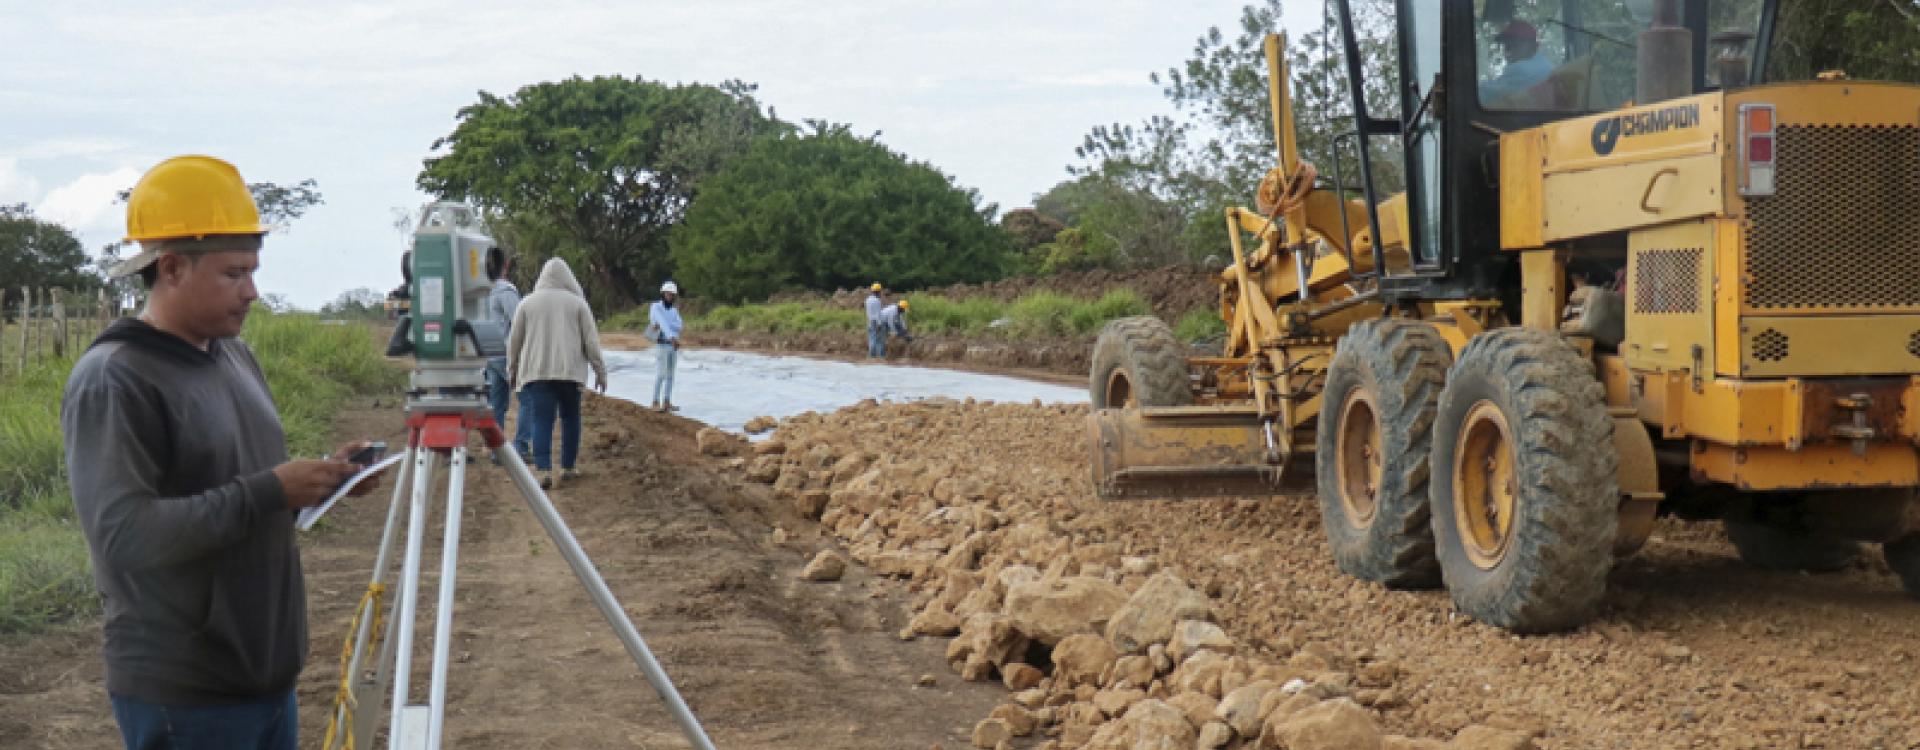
[(553, 343), (182, 484)]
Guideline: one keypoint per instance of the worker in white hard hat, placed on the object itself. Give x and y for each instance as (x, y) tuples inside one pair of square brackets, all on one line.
[(876, 336), (663, 327), (181, 482)]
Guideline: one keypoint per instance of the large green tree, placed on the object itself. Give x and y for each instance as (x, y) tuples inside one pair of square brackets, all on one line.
[(1873, 39), (828, 209), (39, 254), (598, 169), (1175, 174)]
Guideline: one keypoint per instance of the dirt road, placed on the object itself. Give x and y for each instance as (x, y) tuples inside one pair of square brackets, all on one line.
[(767, 661), (1692, 648)]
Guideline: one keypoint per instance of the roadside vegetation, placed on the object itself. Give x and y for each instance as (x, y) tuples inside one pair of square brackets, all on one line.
[(45, 577), (1036, 315)]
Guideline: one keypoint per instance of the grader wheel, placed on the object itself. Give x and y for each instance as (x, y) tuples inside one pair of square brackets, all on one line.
[(1524, 485), (1371, 458), (1138, 362)]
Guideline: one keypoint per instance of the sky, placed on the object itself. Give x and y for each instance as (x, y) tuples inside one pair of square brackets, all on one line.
[(994, 93)]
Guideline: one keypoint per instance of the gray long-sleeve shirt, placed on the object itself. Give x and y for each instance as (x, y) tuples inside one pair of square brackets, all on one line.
[(170, 452), (502, 300)]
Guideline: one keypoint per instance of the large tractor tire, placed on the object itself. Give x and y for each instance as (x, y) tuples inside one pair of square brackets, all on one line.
[(1903, 556), (1138, 362), (1524, 488), (1375, 432), (1778, 536)]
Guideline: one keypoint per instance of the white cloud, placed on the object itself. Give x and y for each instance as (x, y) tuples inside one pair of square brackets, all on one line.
[(85, 146), (16, 186), (87, 203)]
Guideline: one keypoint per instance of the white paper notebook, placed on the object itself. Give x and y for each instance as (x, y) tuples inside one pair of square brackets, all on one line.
[(308, 516)]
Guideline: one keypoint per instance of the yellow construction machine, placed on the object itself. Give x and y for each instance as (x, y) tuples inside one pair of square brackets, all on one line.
[(1626, 278)]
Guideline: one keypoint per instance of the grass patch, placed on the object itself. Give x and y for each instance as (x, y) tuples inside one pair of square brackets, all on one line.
[(1200, 325), (1040, 314), (45, 576)]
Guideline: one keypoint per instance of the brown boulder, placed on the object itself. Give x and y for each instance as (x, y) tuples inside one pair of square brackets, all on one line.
[(1080, 659), (1240, 708), (764, 469), (989, 733), (1018, 677), (1048, 611), (1148, 616), (1147, 725), (1338, 724), (760, 424), (935, 622), (716, 442), (1192, 636), (826, 566)]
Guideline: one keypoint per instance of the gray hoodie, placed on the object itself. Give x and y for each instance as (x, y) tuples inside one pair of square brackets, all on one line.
[(170, 452), (554, 336)]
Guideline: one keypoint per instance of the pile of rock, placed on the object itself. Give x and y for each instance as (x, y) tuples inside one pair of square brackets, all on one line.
[(1100, 649)]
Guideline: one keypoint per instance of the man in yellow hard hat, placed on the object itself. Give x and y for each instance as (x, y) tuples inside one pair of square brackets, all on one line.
[(876, 337), (893, 322), (182, 485)]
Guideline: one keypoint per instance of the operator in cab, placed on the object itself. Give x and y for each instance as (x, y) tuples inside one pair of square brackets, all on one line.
[(1525, 66)]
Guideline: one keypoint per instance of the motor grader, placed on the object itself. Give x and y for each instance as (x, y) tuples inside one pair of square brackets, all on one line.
[(1634, 280)]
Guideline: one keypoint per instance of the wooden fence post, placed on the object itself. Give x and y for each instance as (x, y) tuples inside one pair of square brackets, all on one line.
[(60, 342), (26, 327)]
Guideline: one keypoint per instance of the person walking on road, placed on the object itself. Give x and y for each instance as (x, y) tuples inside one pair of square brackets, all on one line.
[(182, 484), (553, 343), (663, 328), (893, 322), (876, 336), (502, 300)]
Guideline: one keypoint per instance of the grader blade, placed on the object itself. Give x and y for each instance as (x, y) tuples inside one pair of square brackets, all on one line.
[(1181, 452)]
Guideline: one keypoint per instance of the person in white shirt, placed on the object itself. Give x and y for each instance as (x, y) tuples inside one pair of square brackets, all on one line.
[(663, 328), (876, 336), (1526, 67)]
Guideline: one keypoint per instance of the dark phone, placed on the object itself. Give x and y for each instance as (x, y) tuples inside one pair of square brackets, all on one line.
[(363, 458), (369, 455)]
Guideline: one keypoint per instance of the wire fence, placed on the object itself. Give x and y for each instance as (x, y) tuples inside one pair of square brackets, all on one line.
[(51, 323)]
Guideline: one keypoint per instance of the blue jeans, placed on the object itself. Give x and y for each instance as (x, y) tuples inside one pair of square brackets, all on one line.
[(665, 358), (876, 341), (271, 723), (540, 400), (498, 393)]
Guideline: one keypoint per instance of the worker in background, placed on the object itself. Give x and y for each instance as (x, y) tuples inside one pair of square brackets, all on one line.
[(1525, 66), (893, 322), (502, 300), (552, 344), (663, 328), (181, 481), (876, 336)]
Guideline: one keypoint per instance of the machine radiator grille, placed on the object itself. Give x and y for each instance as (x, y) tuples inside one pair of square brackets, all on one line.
[(1667, 281), (1841, 230)]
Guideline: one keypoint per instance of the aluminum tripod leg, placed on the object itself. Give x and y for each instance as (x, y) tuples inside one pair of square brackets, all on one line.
[(362, 730), (603, 598), (443, 612), (399, 728)]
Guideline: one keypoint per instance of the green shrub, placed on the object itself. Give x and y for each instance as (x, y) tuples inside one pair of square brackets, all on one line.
[(1088, 317), (1200, 325), (939, 315)]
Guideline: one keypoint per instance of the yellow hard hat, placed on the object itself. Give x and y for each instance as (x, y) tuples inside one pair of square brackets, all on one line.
[(876, 286), (903, 304), (191, 197)]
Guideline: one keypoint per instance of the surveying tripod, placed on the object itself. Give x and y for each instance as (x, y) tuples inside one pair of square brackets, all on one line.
[(445, 406)]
